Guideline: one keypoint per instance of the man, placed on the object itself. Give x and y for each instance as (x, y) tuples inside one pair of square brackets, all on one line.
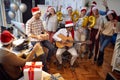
[(11, 63), (34, 29), (66, 32)]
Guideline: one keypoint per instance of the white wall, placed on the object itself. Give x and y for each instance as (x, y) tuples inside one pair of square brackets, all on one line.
[(75, 4), (112, 4)]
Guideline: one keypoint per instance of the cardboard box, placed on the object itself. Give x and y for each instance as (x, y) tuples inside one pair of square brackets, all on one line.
[(56, 76)]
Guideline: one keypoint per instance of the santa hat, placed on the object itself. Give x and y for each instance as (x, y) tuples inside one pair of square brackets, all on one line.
[(69, 8), (93, 3), (69, 24), (50, 7), (6, 37), (109, 12), (83, 9), (35, 10), (94, 8)]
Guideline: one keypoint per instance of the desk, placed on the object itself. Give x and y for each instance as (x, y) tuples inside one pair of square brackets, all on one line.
[(25, 52)]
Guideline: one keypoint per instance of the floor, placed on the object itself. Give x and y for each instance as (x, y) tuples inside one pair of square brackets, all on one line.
[(85, 68)]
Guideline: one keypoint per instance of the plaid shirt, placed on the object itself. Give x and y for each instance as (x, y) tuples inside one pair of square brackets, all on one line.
[(34, 27)]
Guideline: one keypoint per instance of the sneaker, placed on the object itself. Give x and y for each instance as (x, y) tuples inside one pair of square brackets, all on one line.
[(99, 63), (72, 67)]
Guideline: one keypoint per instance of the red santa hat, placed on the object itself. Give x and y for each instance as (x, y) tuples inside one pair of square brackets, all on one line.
[(94, 8), (83, 9), (109, 12), (6, 37), (69, 8), (35, 10), (50, 7), (93, 3), (69, 24)]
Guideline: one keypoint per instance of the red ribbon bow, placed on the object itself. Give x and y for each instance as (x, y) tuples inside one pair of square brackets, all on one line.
[(31, 70)]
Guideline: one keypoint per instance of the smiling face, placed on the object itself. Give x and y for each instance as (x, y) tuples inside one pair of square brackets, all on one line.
[(69, 11), (95, 12), (83, 12), (37, 16), (52, 11), (110, 17), (69, 28)]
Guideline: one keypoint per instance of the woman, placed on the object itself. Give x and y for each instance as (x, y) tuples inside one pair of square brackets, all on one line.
[(80, 32), (94, 33), (106, 34), (51, 23)]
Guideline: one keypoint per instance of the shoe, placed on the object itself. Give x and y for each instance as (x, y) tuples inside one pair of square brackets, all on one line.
[(95, 59), (82, 55), (90, 55), (72, 67), (100, 59), (99, 63), (59, 66)]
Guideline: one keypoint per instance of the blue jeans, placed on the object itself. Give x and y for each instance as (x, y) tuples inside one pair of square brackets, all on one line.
[(49, 46), (42, 58), (104, 41)]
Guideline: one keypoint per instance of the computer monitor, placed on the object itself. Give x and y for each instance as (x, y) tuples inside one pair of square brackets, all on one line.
[(20, 27)]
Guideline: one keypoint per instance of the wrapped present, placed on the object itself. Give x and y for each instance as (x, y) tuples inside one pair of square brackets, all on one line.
[(56, 76), (44, 36), (33, 71), (39, 51)]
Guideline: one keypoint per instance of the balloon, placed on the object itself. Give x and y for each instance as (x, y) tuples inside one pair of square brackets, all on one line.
[(85, 21), (92, 21), (59, 16), (23, 7), (75, 16), (11, 14), (14, 6)]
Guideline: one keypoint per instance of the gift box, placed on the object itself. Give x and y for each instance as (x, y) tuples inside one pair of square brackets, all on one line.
[(44, 36), (33, 71), (39, 51), (56, 76)]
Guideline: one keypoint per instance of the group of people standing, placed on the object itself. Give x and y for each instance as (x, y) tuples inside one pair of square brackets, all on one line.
[(100, 35)]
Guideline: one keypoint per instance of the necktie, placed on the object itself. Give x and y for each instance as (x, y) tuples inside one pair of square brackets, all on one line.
[(67, 33)]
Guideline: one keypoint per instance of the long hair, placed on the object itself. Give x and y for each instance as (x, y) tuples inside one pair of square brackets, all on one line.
[(115, 17)]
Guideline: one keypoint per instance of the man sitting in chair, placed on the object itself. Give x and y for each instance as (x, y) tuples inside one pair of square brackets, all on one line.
[(64, 41)]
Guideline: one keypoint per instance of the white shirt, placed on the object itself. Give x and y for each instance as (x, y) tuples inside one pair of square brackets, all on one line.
[(62, 31)]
